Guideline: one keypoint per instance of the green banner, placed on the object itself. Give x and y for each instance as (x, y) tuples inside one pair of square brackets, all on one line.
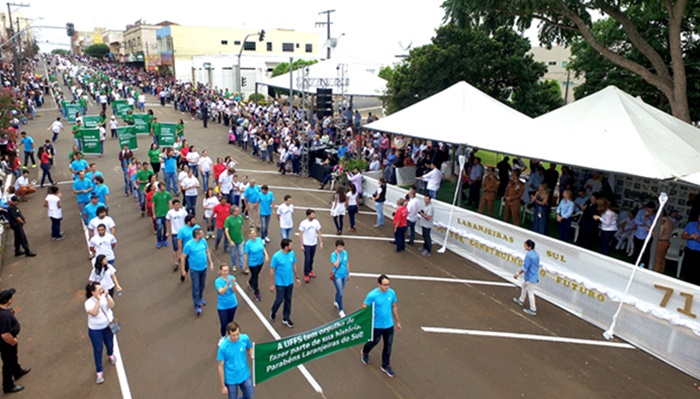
[(116, 103), (71, 110), (92, 121), (167, 134), (274, 358), (122, 108), (91, 141), (127, 137), (142, 123)]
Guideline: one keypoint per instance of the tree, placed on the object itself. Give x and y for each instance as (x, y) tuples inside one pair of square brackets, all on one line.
[(562, 21), (499, 65), (386, 73), (9, 104), (98, 50), (538, 98), (283, 68), (60, 51)]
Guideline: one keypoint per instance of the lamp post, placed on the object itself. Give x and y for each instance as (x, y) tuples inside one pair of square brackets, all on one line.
[(261, 37)]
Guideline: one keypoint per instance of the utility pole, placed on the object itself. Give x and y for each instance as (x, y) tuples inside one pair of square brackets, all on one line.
[(568, 83), (327, 23), (16, 46)]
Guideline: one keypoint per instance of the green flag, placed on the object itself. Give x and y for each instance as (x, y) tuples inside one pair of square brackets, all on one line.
[(167, 134), (91, 141), (127, 137), (142, 123), (92, 121), (121, 108), (71, 110), (274, 358)]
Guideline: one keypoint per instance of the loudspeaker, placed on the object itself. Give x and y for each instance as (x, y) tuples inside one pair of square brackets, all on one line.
[(324, 102)]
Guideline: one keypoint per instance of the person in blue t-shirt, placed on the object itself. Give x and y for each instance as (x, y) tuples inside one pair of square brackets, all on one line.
[(170, 171), (92, 206), (341, 273), (82, 188), (184, 235), (283, 273), (255, 256), (197, 254), (531, 270), (251, 198), (28, 144), (78, 164), (386, 312), (227, 302), (234, 372), (266, 202)]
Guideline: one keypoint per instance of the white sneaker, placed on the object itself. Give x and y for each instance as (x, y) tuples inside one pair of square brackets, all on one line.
[(335, 303), (267, 239), (341, 314)]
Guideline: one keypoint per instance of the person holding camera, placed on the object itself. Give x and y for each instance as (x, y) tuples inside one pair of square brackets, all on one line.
[(99, 305)]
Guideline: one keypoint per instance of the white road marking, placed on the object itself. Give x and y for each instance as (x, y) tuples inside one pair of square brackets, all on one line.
[(437, 279), (532, 337), (326, 210), (369, 238), (310, 190)]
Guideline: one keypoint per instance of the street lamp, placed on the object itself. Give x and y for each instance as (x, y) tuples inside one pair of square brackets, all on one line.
[(261, 37)]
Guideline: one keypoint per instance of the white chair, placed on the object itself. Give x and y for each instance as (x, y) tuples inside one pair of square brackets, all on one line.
[(676, 250), (575, 218), (528, 211)]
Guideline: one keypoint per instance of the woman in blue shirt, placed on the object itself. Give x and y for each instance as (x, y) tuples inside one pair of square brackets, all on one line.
[(227, 302), (255, 256), (340, 274), (564, 212)]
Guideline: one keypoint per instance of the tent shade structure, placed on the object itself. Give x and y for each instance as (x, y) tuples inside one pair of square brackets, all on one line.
[(323, 74), (461, 114), (613, 131)]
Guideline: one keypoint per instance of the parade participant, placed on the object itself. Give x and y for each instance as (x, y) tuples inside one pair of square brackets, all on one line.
[(189, 186), (310, 235), (255, 256), (143, 176), (184, 235), (283, 273), (340, 274), (160, 203), (266, 201), (55, 207), (101, 218), (220, 212), (125, 158), (531, 270), (103, 243), (234, 372), (17, 222), (353, 205), (339, 205), (92, 206), (175, 219), (233, 229), (9, 330), (106, 275), (197, 254), (170, 171), (227, 303), (386, 314), (285, 217), (99, 305), (208, 203), (251, 198)]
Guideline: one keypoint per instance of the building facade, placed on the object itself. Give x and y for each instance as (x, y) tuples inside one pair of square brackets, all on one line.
[(115, 40), (140, 44), (557, 60)]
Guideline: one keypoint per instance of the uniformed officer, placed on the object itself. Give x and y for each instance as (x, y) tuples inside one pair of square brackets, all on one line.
[(17, 222), (514, 191), (9, 329), (490, 186)]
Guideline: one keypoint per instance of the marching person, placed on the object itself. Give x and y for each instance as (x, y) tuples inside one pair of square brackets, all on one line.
[(9, 329), (531, 270), (234, 372), (227, 302), (196, 252), (386, 313), (310, 234), (55, 206), (340, 274), (99, 305), (283, 273), (255, 256)]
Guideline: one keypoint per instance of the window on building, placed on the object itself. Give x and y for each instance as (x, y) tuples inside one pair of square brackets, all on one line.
[(297, 45), (249, 46), (552, 63), (237, 42), (288, 47), (269, 46), (224, 42), (309, 48)]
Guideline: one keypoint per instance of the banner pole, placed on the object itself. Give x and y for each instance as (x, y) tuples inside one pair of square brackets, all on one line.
[(610, 332), (254, 384), (462, 160)]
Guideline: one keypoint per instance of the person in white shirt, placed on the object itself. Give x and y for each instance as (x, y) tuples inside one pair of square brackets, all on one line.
[(434, 178), (53, 202), (189, 186), (174, 220), (56, 127), (193, 161), (103, 243), (285, 216), (310, 233), (23, 186), (103, 137), (413, 207), (375, 164), (226, 186), (205, 164), (113, 125)]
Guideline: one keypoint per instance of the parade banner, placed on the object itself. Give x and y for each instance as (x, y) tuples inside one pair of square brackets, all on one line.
[(92, 121), (167, 134), (116, 103), (71, 110), (657, 317), (142, 123), (121, 108), (274, 358), (127, 137), (91, 141)]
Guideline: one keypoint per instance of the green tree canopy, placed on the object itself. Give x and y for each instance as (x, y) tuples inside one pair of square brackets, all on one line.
[(386, 73), (98, 50), (281, 69), (562, 21), (498, 64), (60, 51)]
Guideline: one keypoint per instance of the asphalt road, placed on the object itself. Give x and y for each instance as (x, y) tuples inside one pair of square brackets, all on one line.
[(168, 352)]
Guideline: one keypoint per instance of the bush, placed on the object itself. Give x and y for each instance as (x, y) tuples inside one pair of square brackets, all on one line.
[(256, 97)]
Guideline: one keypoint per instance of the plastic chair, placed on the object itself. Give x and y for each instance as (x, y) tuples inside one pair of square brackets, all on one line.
[(575, 218), (676, 250)]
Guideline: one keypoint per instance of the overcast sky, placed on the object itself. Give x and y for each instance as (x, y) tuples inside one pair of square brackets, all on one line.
[(373, 29)]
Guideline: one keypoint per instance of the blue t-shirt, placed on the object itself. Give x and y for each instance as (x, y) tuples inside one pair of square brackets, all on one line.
[(91, 209), (256, 251), (102, 192), (235, 359), (383, 304), (266, 201), (531, 267), (185, 233), (227, 300), (196, 252), (252, 194), (91, 175), (690, 229), (82, 185), (283, 264), (28, 143), (170, 164), (78, 165), (342, 270)]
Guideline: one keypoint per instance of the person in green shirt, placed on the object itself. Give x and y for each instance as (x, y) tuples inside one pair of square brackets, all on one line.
[(155, 131), (180, 129), (142, 177), (129, 118), (83, 103), (233, 228), (161, 205), (78, 135), (154, 157)]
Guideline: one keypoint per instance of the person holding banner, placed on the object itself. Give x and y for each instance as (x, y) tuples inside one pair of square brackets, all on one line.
[(125, 156), (386, 314), (155, 131), (234, 372), (531, 270)]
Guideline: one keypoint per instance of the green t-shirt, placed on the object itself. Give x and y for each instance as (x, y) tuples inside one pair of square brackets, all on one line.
[(160, 203), (83, 101), (70, 156), (154, 156), (234, 225), (155, 128), (129, 119), (76, 132), (143, 176), (180, 130)]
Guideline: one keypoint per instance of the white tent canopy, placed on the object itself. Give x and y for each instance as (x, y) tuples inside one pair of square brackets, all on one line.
[(326, 74), (461, 114), (613, 131)]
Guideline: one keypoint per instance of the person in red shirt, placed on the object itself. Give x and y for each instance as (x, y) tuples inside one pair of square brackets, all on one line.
[(221, 212), (218, 168), (400, 225)]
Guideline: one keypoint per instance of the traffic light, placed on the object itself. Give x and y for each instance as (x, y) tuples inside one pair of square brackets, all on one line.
[(244, 81), (262, 35), (70, 29)]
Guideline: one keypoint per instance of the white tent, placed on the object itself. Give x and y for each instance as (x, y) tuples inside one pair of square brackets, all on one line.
[(613, 131), (326, 74), (461, 114)]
